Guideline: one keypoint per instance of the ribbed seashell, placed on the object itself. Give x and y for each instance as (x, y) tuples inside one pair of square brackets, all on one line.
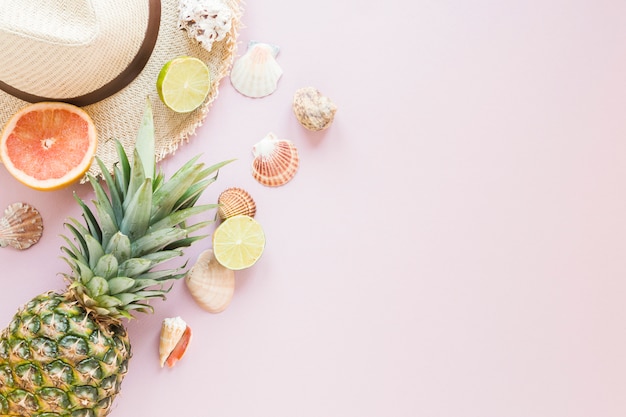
[(313, 110), (211, 285), (174, 331), (275, 161), (234, 201), (21, 226), (256, 73)]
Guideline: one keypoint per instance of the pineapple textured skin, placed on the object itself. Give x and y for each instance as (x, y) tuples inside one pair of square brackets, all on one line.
[(66, 354), (56, 359)]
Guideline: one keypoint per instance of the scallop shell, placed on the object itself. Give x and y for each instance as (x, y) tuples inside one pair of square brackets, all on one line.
[(275, 161), (234, 201), (21, 227), (211, 285), (256, 73), (172, 331), (313, 110)]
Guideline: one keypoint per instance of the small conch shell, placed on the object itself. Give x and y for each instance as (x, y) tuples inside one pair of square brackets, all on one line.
[(175, 337), (313, 110), (21, 227), (256, 73), (234, 201), (211, 285), (275, 161)]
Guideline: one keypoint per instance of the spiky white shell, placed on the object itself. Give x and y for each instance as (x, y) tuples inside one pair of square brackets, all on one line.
[(206, 21)]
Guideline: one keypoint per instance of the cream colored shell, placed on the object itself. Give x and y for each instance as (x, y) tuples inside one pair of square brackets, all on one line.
[(313, 110), (234, 201), (276, 161), (211, 285), (21, 226), (172, 330), (256, 73)]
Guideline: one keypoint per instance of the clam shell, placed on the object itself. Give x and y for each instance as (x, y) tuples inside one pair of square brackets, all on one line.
[(256, 73), (172, 330), (211, 285), (234, 201), (313, 110), (21, 226), (275, 161)]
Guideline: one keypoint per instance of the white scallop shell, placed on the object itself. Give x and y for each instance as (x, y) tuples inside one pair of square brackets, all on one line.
[(21, 226), (275, 161), (256, 73)]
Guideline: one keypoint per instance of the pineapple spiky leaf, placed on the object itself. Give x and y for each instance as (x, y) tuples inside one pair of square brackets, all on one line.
[(66, 354), (145, 142), (141, 220)]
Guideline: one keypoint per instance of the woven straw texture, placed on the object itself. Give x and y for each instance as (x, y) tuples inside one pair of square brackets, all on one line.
[(119, 116), (85, 34)]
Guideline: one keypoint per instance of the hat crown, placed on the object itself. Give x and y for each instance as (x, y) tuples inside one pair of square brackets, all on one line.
[(62, 21), (79, 51)]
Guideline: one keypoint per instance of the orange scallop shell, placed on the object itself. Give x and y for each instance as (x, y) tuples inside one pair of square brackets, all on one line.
[(275, 161), (234, 201)]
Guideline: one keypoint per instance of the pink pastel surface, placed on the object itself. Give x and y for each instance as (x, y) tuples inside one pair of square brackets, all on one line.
[(452, 246)]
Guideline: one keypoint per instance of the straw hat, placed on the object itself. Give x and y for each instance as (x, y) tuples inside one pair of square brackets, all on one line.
[(104, 56)]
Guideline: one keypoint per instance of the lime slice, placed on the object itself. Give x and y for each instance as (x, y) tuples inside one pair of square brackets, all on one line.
[(238, 242), (184, 83)]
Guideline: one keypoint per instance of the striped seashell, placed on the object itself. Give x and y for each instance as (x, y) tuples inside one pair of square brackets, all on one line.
[(275, 161), (256, 73), (173, 341), (234, 201), (21, 226), (211, 285)]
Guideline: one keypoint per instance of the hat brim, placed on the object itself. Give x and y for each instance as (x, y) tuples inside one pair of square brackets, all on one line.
[(118, 117)]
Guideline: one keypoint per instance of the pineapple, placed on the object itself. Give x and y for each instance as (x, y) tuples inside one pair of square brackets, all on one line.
[(66, 354)]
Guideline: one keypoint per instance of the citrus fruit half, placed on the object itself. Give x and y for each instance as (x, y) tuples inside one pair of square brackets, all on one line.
[(48, 145), (238, 242), (184, 83)]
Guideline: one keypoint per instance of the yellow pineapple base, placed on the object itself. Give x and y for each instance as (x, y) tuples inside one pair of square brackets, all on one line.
[(57, 359)]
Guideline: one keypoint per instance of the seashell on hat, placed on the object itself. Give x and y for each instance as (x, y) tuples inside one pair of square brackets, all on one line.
[(105, 56)]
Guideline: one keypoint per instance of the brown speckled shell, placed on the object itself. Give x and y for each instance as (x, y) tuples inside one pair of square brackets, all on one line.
[(234, 201), (21, 226), (313, 110), (275, 161)]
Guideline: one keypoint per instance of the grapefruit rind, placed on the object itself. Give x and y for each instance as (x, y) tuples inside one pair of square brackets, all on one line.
[(69, 177)]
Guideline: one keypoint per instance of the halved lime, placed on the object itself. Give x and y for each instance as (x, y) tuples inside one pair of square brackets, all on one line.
[(238, 242), (184, 83)]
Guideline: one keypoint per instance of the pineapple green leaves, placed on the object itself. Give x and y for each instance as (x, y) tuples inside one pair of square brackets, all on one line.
[(141, 220)]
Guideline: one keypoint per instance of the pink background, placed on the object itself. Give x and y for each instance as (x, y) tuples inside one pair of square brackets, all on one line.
[(452, 246)]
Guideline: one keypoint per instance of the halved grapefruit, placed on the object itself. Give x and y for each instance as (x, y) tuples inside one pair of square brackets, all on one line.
[(48, 145)]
